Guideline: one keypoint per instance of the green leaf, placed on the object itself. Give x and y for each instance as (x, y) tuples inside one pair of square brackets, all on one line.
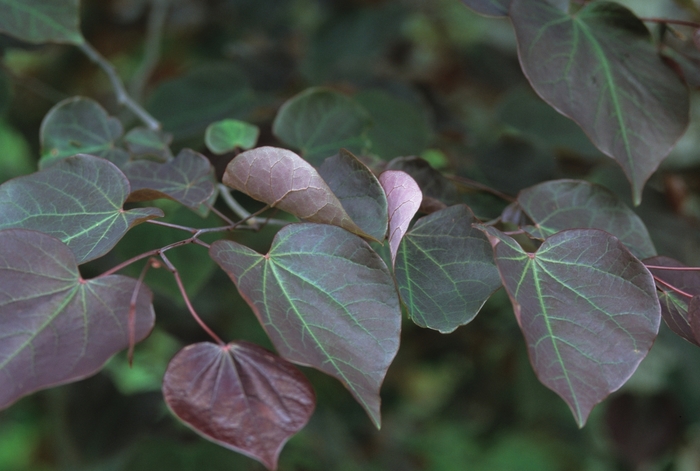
[(588, 310), (489, 7), (445, 269), (319, 122), (145, 143), (571, 204), (599, 67), (404, 198), (326, 300), (77, 200), (55, 326), (39, 21), (230, 134), (80, 125)]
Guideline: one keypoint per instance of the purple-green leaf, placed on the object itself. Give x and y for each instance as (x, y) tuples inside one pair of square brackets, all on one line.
[(187, 179), (284, 180), (599, 67), (239, 396), (404, 198), (572, 204), (145, 143), (432, 182), (230, 134), (489, 7), (588, 310), (445, 269), (56, 327), (77, 200), (39, 21), (326, 300)]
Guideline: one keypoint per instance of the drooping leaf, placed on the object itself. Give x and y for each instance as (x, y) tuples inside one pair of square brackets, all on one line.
[(187, 179), (489, 7), (674, 306), (432, 183), (239, 396), (599, 67), (230, 134), (77, 200), (145, 143), (39, 21), (572, 204), (284, 180), (588, 310), (404, 198), (55, 326), (326, 300), (358, 190), (319, 122), (445, 269)]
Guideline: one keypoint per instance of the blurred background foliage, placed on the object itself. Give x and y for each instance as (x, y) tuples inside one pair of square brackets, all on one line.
[(439, 82)]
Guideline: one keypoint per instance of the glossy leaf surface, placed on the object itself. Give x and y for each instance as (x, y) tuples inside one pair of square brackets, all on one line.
[(80, 125), (77, 200), (326, 300), (230, 134), (588, 310), (239, 396), (599, 67), (319, 122), (489, 7), (56, 327), (571, 204), (358, 190), (284, 180), (39, 21), (445, 269), (404, 198), (187, 179)]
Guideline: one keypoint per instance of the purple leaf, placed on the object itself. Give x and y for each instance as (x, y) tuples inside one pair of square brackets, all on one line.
[(239, 396), (56, 327), (145, 143), (489, 7), (404, 198), (39, 21)]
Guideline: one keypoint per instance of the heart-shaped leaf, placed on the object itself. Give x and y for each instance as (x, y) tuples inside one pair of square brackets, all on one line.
[(445, 269), (39, 21), (588, 310), (404, 198), (55, 326), (359, 192), (239, 396), (284, 180), (80, 125), (319, 122), (230, 134), (326, 300), (489, 7), (145, 143), (187, 179), (571, 204), (594, 66), (77, 200)]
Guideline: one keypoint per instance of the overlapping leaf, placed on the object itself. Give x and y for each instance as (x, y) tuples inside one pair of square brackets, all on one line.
[(39, 21), (326, 300), (284, 180), (432, 183), (145, 143), (56, 327), (230, 134), (80, 125), (445, 269), (404, 198), (77, 200), (588, 310), (187, 179), (489, 7), (319, 122), (599, 67), (358, 190), (239, 396), (568, 204)]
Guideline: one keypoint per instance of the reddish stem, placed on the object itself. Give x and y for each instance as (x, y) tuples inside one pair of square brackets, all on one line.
[(655, 267), (692, 24), (132, 312), (673, 288)]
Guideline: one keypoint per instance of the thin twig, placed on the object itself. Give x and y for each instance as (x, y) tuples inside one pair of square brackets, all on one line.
[(241, 212), (226, 219), (191, 230), (670, 286), (152, 47), (655, 267), (132, 311), (692, 24)]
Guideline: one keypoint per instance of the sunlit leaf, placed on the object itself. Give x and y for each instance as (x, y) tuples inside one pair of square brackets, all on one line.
[(239, 396), (326, 300), (404, 198), (80, 125), (445, 269), (599, 67), (571, 204), (187, 179), (145, 143), (358, 190), (230, 134), (319, 122), (489, 7), (588, 310), (77, 200), (56, 327), (284, 180), (39, 21)]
